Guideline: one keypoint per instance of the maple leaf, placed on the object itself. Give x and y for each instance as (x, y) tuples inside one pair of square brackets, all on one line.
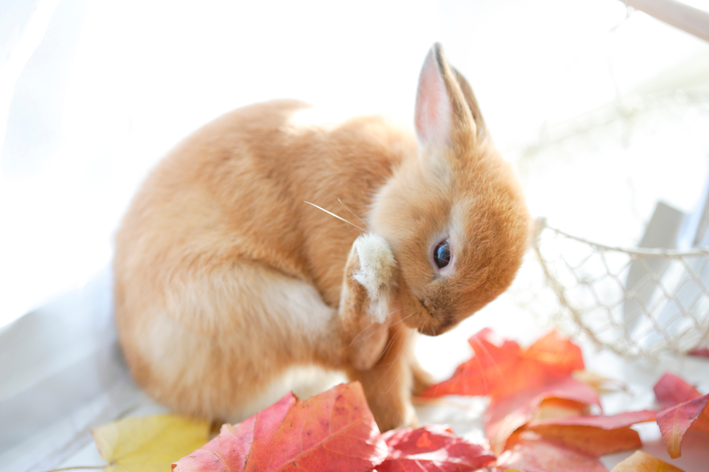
[(332, 431), (557, 352), (594, 435), (149, 444), (642, 462), (553, 408), (675, 421), (600, 383), (531, 453), (230, 449), (432, 448), (507, 414), (499, 367), (685, 408), (672, 390), (699, 352)]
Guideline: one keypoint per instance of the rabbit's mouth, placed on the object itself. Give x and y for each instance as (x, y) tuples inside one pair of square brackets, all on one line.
[(431, 325), (434, 329), (422, 313)]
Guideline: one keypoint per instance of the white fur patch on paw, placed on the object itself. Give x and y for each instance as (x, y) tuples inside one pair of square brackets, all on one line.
[(376, 273)]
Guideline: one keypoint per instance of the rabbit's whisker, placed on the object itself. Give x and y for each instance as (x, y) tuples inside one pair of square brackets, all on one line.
[(393, 324), (355, 340), (336, 216), (409, 353), (404, 318), (353, 213), (386, 349)]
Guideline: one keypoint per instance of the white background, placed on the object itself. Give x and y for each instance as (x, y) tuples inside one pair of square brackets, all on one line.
[(92, 93)]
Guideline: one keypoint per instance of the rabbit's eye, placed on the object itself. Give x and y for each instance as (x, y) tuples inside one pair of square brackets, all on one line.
[(442, 254)]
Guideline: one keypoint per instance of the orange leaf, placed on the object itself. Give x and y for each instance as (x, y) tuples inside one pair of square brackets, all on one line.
[(507, 414), (620, 420), (557, 352), (499, 367), (642, 462), (674, 422), (334, 430), (494, 360), (554, 408), (531, 453), (592, 441), (432, 448), (594, 435), (672, 390)]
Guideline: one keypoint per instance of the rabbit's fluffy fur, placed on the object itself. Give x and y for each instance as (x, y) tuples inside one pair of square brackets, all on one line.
[(226, 280)]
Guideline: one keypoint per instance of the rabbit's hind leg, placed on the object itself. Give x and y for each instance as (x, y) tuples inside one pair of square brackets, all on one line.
[(222, 341)]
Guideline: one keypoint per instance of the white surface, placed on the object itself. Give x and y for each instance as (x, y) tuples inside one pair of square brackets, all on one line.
[(62, 374)]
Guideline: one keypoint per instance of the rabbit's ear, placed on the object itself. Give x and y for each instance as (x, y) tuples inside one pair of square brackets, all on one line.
[(443, 117), (471, 101)]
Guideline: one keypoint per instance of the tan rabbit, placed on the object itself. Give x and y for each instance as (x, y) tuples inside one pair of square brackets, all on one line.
[(228, 285)]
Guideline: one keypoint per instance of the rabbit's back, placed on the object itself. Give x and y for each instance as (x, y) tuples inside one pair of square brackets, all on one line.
[(219, 239), (237, 188)]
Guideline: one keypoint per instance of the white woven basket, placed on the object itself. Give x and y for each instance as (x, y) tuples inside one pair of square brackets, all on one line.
[(637, 302)]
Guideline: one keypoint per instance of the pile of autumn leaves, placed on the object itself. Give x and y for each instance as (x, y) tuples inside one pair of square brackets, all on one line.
[(537, 420)]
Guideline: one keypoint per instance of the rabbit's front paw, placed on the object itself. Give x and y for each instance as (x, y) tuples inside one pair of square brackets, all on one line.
[(376, 273)]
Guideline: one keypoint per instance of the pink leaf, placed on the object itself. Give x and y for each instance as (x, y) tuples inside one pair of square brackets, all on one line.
[(674, 422), (672, 390), (432, 448), (230, 449), (331, 431), (531, 453), (505, 415), (699, 352)]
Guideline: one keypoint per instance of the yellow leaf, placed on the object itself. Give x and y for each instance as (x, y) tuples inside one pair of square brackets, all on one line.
[(149, 444), (598, 382), (554, 408), (641, 462)]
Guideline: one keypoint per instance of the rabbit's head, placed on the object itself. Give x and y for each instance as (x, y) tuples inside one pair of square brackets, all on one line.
[(455, 217)]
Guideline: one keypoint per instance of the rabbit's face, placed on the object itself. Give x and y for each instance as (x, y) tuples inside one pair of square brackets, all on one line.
[(458, 237), (455, 217)]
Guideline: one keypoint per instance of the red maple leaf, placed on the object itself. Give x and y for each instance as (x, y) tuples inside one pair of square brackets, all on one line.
[(676, 421), (536, 421), (499, 367), (685, 409), (432, 448), (672, 390), (331, 431)]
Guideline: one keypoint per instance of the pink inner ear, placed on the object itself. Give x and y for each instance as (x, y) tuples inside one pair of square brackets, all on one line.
[(433, 107)]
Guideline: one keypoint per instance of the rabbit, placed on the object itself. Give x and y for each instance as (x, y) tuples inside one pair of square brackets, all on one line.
[(231, 283)]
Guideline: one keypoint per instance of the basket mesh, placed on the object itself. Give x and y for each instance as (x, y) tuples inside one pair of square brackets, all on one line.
[(636, 302)]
